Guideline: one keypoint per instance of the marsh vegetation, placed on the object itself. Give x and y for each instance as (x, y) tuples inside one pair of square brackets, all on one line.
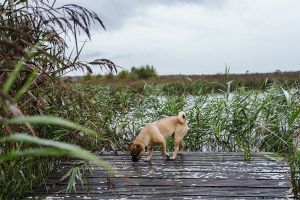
[(45, 118)]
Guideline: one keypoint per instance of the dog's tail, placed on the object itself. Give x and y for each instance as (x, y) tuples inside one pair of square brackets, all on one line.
[(182, 117)]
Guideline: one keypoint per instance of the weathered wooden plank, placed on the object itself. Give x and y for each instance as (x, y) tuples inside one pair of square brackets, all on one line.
[(171, 190), (156, 197), (183, 158), (197, 155), (161, 181), (213, 168), (188, 157), (181, 191), (192, 153), (188, 175), (177, 163)]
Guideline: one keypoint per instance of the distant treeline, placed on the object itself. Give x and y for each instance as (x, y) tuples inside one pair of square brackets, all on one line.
[(135, 73), (137, 77)]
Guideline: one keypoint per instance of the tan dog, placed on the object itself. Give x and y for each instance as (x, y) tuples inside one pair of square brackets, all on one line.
[(156, 133)]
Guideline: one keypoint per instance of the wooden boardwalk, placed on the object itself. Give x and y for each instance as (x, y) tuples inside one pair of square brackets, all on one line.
[(194, 175)]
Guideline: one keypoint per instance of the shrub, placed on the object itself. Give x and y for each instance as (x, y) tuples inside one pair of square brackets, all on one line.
[(109, 75), (123, 74), (144, 72)]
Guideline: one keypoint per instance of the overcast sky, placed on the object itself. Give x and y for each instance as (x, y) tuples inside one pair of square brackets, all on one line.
[(197, 36)]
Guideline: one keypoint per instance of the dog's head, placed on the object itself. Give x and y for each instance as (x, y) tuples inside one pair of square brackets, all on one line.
[(136, 151)]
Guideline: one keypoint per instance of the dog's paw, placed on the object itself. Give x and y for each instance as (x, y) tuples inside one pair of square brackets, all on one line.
[(147, 160), (172, 158)]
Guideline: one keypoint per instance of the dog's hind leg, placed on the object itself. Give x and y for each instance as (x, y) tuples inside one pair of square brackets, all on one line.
[(181, 147), (164, 149), (177, 142), (150, 148)]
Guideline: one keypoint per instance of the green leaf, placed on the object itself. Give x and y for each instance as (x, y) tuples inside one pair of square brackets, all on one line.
[(274, 156), (12, 77), (25, 86), (73, 150), (51, 120), (35, 152), (228, 90), (74, 174), (287, 97), (294, 116)]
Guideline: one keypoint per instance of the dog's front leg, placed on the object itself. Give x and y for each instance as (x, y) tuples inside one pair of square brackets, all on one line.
[(150, 148)]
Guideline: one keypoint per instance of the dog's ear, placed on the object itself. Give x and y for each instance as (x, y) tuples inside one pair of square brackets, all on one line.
[(132, 148), (139, 147), (127, 146), (135, 149)]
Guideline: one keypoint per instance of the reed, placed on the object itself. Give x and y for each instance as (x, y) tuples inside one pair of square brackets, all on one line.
[(33, 56), (242, 120), (225, 113)]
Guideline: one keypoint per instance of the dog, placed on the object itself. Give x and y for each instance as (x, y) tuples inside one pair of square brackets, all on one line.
[(156, 133)]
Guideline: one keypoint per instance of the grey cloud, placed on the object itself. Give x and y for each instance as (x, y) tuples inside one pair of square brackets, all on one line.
[(115, 12), (94, 54), (189, 36)]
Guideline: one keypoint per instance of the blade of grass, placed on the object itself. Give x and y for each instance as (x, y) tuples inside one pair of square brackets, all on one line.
[(12, 77), (25, 86), (73, 150), (294, 116), (287, 96), (51, 120), (34, 152), (74, 174)]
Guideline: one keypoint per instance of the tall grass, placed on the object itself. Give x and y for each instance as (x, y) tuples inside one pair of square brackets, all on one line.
[(235, 118), (227, 121), (243, 120), (21, 154), (33, 54)]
